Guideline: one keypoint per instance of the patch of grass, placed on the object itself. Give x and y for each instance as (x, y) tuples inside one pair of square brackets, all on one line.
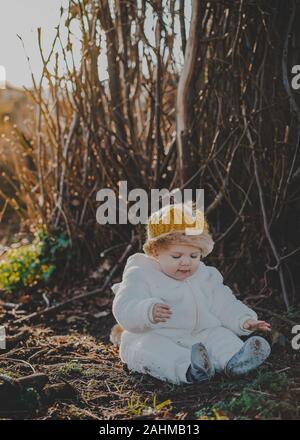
[(92, 383), (76, 369), (251, 405), (146, 407), (270, 381), (71, 368), (11, 374), (231, 386), (260, 398)]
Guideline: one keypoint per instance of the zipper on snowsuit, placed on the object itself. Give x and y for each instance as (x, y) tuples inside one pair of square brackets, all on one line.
[(197, 314)]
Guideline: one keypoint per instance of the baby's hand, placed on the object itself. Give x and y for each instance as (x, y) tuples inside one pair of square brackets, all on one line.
[(252, 324), (161, 312)]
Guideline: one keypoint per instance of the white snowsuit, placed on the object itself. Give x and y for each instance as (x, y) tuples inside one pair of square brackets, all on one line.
[(204, 310)]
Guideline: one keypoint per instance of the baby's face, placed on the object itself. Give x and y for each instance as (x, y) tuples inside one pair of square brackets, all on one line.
[(179, 261)]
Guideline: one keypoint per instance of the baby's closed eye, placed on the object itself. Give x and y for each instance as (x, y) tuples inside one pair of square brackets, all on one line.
[(176, 257)]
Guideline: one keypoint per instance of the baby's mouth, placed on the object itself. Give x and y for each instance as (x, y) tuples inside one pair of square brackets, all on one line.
[(184, 270)]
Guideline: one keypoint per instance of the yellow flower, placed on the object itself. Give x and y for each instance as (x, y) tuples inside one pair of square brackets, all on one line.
[(44, 268), (219, 415)]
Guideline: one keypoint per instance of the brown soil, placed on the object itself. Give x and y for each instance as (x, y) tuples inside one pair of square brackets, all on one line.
[(72, 347)]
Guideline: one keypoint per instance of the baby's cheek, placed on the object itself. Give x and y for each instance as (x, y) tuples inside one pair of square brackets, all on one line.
[(172, 266), (197, 264)]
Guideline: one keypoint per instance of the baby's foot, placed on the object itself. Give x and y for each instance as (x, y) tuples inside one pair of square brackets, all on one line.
[(252, 354), (201, 368)]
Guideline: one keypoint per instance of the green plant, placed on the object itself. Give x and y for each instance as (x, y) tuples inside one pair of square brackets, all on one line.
[(261, 397), (270, 381), (74, 368), (24, 265), (252, 404), (56, 251), (293, 312), (258, 398)]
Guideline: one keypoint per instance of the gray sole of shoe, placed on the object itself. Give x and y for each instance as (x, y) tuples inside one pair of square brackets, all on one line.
[(200, 359), (255, 353)]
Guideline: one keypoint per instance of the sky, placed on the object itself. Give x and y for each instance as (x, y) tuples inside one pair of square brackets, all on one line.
[(23, 17)]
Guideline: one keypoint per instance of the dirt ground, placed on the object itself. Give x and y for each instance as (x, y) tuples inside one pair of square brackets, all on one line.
[(85, 379)]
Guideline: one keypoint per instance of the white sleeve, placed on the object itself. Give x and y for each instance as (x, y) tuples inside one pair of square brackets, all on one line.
[(226, 307), (133, 302)]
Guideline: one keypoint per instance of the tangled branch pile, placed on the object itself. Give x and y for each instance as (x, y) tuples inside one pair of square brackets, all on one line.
[(237, 122)]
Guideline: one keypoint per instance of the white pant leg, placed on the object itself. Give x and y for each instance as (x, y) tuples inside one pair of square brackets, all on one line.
[(221, 344), (156, 355)]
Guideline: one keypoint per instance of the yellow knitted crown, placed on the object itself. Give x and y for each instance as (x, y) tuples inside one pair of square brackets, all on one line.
[(175, 218)]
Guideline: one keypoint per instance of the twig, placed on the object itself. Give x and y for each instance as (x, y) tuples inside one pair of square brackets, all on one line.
[(282, 370), (264, 214), (22, 362)]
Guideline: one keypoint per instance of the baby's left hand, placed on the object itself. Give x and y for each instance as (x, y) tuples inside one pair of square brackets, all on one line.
[(253, 324)]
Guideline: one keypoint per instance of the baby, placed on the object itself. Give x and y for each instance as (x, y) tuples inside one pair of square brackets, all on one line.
[(177, 321)]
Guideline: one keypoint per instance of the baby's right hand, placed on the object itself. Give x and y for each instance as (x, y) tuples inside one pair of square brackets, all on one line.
[(161, 312)]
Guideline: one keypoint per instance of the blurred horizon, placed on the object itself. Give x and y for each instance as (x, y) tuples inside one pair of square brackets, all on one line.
[(23, 18), (34, 14)]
